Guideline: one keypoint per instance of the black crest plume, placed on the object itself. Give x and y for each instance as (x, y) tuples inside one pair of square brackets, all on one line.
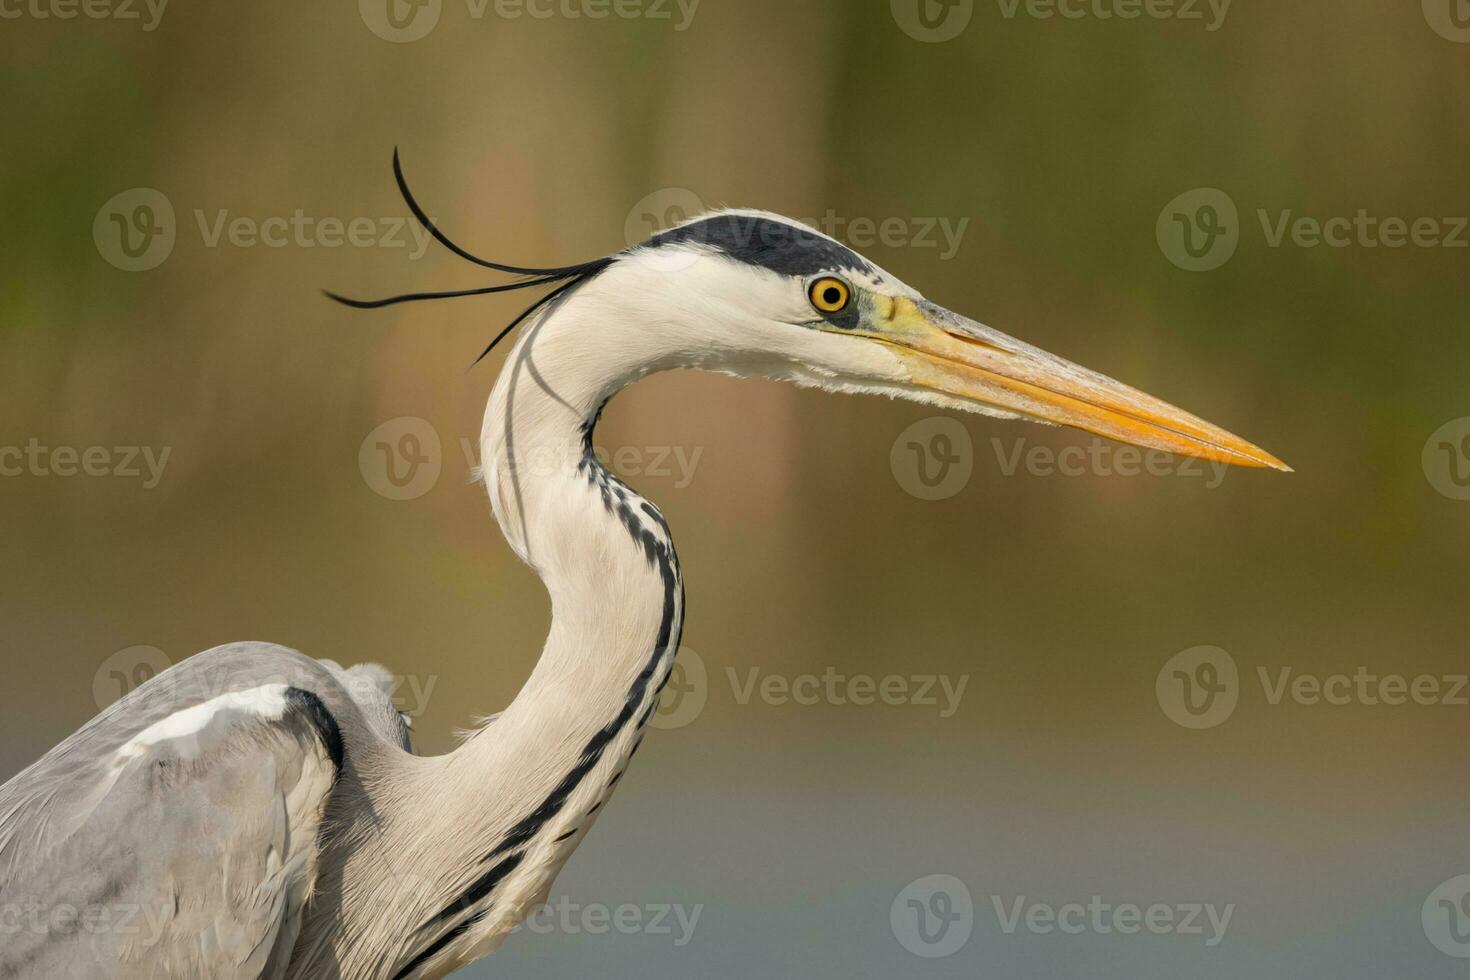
[(568, 277)]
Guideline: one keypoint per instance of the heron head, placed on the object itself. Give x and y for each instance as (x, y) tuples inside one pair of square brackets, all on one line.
[(755, 294), (751, 293)]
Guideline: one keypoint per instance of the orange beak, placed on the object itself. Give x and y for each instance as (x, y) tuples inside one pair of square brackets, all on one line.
[(948, 353)]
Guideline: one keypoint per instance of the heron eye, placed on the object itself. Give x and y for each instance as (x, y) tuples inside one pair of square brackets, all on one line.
[(830, 295)]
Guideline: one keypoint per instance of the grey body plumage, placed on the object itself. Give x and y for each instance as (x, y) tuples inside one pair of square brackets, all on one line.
[(194, 855)]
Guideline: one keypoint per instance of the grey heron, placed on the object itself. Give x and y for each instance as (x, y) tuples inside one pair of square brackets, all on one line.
[(252, 812)]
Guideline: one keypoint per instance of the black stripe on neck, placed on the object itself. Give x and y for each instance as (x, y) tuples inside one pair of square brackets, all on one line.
[(660, 554)]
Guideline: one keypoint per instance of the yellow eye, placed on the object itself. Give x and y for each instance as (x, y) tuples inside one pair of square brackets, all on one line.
[(830, 295)]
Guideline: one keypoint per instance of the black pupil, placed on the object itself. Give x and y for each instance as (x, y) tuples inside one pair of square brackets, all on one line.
[(832, 295)]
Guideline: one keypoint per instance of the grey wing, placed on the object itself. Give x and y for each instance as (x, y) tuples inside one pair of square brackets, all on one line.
[(179, 841)]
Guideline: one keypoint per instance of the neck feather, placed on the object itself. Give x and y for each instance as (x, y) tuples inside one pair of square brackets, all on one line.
[(541, 771)]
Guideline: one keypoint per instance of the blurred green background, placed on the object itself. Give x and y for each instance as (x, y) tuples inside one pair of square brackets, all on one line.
[(1057, 144)]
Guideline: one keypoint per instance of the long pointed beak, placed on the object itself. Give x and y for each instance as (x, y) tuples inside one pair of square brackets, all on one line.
[(948, 353)]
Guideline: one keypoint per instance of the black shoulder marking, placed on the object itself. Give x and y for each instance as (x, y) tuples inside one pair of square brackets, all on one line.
[(310, 707), (787, 249)]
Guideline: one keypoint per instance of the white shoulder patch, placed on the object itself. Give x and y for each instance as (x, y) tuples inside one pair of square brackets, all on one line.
[(267, 703)]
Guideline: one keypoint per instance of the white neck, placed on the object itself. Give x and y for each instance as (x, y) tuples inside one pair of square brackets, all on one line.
[(602, 551), (521, 793), (541, 771)]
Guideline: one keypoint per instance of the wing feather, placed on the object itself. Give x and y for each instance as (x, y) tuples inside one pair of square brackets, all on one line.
[(185, 844)]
